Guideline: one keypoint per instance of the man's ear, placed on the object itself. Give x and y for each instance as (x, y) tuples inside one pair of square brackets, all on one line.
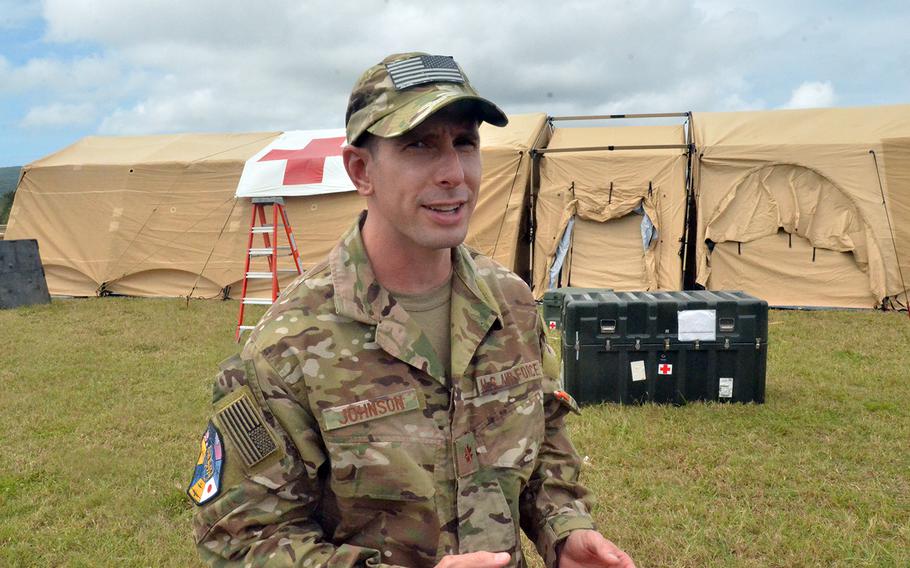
[(356, 162)]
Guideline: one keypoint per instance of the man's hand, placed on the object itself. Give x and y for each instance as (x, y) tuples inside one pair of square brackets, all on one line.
[(589, 549), (475, 560)]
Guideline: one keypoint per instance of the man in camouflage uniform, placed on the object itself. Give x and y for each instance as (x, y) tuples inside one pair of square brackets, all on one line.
[(397, 405)]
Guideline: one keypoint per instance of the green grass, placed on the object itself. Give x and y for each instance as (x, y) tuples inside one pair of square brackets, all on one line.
[(102, 402)]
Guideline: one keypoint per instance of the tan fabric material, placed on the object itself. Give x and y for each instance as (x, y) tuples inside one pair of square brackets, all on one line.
[(895, 166), (809, 173), (835, 272), (497, 227), (156, 216), (141, 214), (601, 189), (431, 311)]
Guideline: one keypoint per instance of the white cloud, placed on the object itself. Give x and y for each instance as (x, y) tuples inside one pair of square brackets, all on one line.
[(291, 65), (51, 75), (58, 114), (202, 110), (812, 94), (220, 65)]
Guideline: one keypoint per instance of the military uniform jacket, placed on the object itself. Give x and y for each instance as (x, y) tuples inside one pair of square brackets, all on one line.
[(346, 445)]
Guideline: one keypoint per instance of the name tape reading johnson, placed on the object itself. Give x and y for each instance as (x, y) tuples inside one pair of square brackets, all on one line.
[(364, 410)]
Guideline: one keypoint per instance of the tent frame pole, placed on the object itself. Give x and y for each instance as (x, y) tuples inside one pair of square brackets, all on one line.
[(686, 114), (900, 271), (532, 215), (613, 148), (687, 241)]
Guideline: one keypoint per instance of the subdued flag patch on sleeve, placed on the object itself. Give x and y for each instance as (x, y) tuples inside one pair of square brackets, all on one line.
[(206, 481), (243, 426)]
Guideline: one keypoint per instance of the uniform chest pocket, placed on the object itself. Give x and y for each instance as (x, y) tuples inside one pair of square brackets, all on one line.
[(389, 470), (507, 417), (384, 495)]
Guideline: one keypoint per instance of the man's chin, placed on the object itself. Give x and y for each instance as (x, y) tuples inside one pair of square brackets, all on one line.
[(445, 240)]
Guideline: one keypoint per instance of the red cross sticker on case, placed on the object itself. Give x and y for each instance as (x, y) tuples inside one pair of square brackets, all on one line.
[(665, 369), (306, 165)]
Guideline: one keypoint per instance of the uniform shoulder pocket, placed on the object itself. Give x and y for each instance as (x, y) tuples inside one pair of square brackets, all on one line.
[(231, 376)]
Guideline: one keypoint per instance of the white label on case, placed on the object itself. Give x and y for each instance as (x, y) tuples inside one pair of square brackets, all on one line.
[(638, 370), (725, 387), (697, 325)]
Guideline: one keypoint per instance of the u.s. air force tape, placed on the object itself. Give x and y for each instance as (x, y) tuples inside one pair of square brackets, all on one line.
[(243, 425)]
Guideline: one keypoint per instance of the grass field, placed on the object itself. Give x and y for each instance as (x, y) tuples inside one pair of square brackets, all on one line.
[(102, 402)]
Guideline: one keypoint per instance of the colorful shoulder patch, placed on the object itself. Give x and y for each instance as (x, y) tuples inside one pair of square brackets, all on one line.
[(206, 481)]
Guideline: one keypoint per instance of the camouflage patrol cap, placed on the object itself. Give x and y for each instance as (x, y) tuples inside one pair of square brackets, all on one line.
[(402, 90)]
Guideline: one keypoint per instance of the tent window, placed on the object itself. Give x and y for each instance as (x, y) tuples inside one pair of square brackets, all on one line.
[(648, 230), (561, 251)]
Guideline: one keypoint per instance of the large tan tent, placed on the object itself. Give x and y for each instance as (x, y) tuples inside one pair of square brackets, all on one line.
[(611, 219), (138, 215), (157, 216), (790, 204)]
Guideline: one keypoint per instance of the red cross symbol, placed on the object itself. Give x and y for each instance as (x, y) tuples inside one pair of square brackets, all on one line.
[(665, 369), (306, 165), (552, 325)]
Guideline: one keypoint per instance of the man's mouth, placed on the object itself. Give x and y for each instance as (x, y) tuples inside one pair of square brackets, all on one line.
[(450, 208)]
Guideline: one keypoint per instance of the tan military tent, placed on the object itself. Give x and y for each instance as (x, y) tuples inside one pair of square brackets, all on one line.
[(790, 204), (156, 215), (498, 224), (611, 219)]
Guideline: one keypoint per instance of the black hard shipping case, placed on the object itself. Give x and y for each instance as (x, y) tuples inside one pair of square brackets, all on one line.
[(664, 347), (551, 310), (22, 281), (553, 301)]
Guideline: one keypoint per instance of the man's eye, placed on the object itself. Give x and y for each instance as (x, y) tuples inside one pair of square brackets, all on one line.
[(417, 144)]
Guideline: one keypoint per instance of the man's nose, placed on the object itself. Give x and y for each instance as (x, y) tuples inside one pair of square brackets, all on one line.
[(449, 170)]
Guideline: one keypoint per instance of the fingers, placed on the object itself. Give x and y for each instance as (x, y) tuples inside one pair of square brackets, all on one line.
[(607, 552), (613, 556), (475, 560)]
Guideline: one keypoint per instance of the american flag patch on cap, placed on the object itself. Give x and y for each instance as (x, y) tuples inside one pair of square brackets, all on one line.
[(244, 427), (424, 69)]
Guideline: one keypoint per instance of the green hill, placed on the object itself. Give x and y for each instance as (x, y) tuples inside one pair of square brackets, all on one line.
[(9, 177)]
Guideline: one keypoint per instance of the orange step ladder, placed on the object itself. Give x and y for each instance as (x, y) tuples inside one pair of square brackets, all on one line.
[(270, 250)]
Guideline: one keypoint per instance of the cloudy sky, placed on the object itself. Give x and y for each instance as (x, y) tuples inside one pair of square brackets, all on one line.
[(73, 68)]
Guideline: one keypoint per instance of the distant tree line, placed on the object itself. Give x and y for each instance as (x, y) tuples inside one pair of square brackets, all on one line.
[(6, 203), (9, 177)]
